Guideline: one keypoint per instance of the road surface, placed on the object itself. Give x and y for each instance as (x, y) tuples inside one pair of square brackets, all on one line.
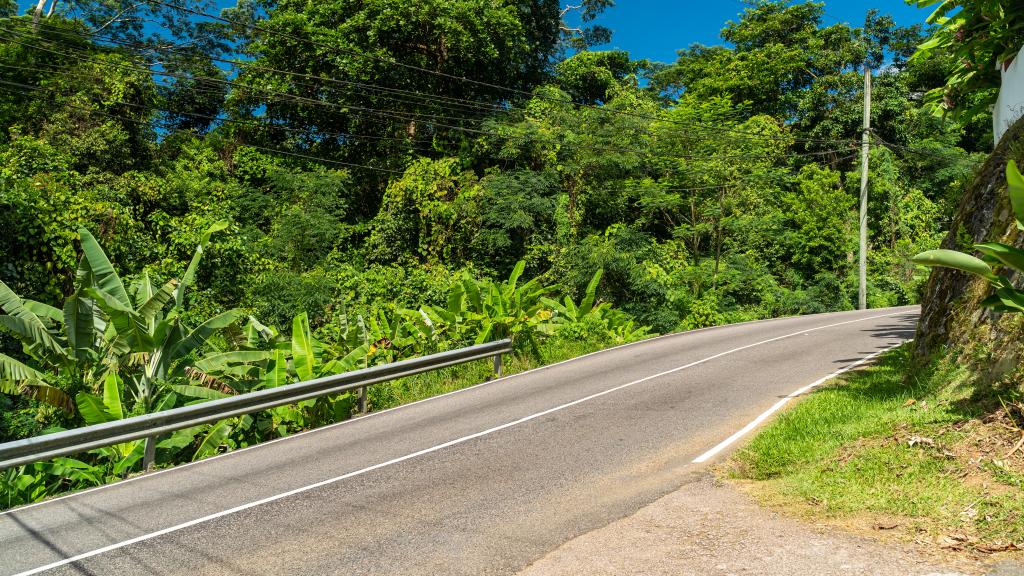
[(481, 481)]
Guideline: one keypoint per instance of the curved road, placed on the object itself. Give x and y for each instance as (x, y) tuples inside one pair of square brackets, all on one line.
[(480, 481)]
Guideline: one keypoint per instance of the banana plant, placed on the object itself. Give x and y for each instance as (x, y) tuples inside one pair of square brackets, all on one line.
[(25, 484), (567, 311), (108, 407), (105, 328), (484, 310), (46, 339), (266, 359), (620, 325), (1006, 297), (259, 361), (623, 327), (508, 310), (121, 458)]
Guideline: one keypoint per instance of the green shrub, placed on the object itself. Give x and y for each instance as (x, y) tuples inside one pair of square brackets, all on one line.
[(275, 295), (703, 312)]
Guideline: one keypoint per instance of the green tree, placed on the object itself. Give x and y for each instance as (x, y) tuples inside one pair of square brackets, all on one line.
[(431, 212), (781, 61), (590, 77), (436, 42), (824, 222)]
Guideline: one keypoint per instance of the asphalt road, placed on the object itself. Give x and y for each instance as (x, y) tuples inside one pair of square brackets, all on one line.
[(481, 481)]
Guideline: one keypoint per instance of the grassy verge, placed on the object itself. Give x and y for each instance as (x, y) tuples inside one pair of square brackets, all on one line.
[(406, 390), (924, 454)]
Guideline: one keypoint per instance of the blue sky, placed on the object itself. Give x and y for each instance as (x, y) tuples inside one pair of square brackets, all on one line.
[(655, 29)]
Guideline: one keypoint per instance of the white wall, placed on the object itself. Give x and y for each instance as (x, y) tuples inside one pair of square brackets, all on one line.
[(1010, 105)]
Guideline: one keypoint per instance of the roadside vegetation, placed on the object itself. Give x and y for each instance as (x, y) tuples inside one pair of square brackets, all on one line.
[(231, 201), (929, 454), (929, 443), (111, 352)]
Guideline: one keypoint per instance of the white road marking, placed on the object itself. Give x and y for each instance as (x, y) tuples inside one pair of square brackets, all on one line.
[(418, 453), (403, 406), (764, 415)]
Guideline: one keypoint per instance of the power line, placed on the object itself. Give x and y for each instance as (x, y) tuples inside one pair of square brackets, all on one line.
[(385, 113), (147, 123), (26, 87), (235, 84), (222, 120), (349, 136), (408, 118), (283, 96), (212, 119), (919, 151), (176, 48), (394, 62)]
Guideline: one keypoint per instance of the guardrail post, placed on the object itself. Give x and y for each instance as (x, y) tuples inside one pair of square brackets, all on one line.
[(149, 455), (362, 400), (497, 365)]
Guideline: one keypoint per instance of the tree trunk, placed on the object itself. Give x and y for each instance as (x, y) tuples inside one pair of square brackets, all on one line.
[(695, 245), (36, 14)]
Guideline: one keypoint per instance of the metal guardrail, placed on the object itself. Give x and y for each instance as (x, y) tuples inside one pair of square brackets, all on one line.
[(150, 426)]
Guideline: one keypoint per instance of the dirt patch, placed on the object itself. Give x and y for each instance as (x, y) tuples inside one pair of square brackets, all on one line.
[(921, 538), (986, 454), (709, 527), (998, 437)]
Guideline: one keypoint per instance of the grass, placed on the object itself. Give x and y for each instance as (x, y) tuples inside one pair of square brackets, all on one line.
[(406, 390), (922, 450)]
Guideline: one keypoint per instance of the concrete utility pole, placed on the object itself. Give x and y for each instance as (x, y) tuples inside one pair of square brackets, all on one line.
[(862, 289)]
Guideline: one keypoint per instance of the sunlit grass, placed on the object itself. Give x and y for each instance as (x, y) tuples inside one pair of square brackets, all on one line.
[(881, 443), (406, 390)]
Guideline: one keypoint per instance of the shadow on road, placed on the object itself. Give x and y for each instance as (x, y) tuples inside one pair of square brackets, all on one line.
[(37, 536)]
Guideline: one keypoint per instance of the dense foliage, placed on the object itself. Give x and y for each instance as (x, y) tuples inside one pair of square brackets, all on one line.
[(981, 37), (367, 181)]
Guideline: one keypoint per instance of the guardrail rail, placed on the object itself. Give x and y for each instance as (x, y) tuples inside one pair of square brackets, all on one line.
[(150, 426)]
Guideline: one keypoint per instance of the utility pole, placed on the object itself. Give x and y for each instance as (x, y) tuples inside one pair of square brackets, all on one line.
[(862, 290)]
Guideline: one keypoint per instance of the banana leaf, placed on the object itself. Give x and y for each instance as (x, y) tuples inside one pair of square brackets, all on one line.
[(303, 357), (103, 274), (214, 438), (32, 331), (276, 373), (48, 314), (193, 265), (1016, 188), (955, 260)]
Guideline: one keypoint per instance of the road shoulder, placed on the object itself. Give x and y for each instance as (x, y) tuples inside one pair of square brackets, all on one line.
[(710, 527)]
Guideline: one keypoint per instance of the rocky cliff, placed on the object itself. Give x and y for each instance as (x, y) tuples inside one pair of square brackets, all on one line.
[(951, 320)]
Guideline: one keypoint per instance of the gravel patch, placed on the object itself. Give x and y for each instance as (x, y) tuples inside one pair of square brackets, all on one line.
[(707, 527)]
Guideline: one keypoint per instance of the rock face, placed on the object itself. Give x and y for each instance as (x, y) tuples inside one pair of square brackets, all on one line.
[(950, 316)]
